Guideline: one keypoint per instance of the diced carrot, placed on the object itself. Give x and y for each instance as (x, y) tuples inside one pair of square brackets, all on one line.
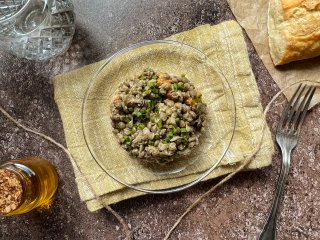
[(159, 81), (161, 75), (117, 98), (190, 101), (162, 80)]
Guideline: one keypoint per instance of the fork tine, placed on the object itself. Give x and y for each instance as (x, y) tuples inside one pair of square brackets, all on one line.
[(284, 116), (299, 110), (310, 94), (293, 108)]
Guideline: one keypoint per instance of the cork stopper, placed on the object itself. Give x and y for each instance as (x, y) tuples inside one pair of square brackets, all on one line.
[(10, 191)]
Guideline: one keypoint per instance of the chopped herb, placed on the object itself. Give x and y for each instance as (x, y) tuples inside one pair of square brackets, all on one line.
[(126, 119), (138, 114), (146, 92), (180, 87), (166, 141), (156, 137), (199, 98), (152, 85), (170, 135), (177, 120), (184, 140), (155, 90), (126, 138), (154, 76), (142, 126), (142, 77), (133, 130), (175, 87), (130, 109), (159, 123), (183, 130), (174, 131), (152, 119)]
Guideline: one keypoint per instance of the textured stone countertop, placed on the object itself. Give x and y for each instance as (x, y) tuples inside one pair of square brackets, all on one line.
[(236, 210)]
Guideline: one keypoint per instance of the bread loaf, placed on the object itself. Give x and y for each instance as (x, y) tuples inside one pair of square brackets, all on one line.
[(294, 30)]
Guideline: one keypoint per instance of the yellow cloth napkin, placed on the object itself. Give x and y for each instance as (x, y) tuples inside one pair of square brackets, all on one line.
[(224, 42)]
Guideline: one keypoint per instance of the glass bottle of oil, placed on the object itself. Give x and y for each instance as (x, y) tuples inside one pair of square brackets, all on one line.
[(39, 181)]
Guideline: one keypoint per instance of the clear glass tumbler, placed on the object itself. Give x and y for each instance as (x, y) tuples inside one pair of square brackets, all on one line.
[(36, 29)]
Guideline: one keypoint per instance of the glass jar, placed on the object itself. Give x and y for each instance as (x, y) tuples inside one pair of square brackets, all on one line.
[(36, 29), (35, 179)]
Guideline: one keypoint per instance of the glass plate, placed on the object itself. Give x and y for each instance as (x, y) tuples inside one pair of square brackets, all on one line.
[(175, 58)]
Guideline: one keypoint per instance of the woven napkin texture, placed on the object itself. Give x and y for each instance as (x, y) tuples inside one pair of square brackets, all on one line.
[(224, 42)]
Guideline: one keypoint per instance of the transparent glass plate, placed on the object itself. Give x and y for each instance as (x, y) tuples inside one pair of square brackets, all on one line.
[(175, 58)]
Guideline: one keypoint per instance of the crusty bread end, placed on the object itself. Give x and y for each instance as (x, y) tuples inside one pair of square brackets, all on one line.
[(294, 30)]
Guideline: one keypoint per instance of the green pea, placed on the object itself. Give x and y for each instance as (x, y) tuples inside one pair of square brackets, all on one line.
[(170, 135)]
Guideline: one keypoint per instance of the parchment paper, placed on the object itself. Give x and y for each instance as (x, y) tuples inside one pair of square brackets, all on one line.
[(252, 16)]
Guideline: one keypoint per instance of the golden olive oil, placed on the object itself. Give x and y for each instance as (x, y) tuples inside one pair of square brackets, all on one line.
[(39, 180)]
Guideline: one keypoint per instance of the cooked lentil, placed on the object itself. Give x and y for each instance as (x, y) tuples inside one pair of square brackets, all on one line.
[(157, 117)]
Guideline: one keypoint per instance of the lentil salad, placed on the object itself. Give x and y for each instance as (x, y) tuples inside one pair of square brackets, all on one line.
[(157, 117)]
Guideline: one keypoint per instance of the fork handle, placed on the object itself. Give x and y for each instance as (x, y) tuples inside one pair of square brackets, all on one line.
[(269, 229)]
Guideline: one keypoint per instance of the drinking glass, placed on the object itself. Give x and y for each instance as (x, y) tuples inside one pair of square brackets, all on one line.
[(36, 29)]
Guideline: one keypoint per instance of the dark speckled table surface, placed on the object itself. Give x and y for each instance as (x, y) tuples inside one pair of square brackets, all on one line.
[(236, 210)]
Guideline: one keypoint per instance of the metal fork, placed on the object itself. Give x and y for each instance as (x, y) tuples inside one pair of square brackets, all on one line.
[(287, 137)]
